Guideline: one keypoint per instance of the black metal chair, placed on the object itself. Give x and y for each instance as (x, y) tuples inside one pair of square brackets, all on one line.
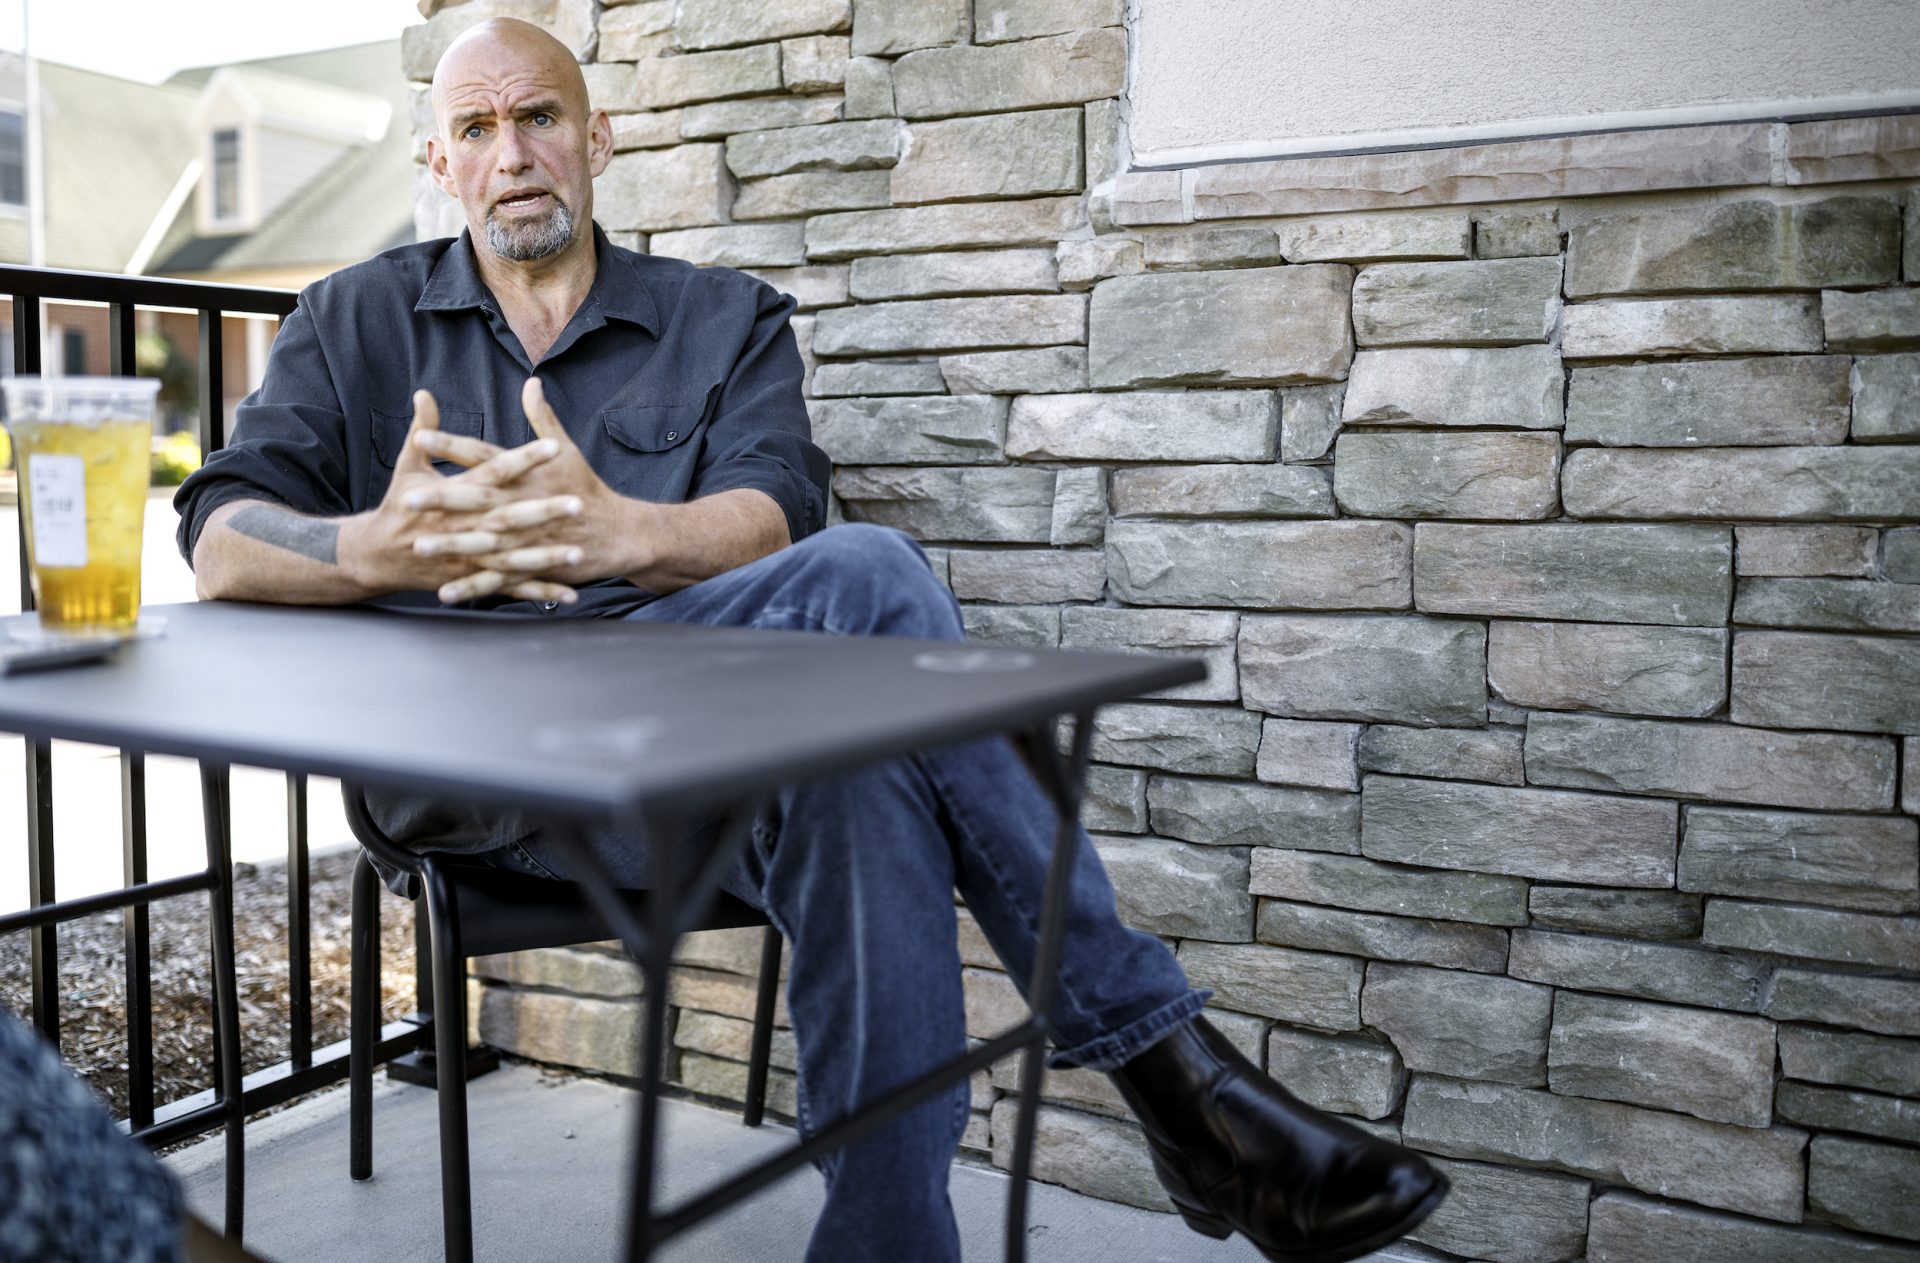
[(476, 910)]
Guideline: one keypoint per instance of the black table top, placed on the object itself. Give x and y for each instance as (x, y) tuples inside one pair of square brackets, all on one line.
[(577, 716)]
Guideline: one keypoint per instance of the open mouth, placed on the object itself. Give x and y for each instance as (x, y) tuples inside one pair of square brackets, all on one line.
[(527, 199)]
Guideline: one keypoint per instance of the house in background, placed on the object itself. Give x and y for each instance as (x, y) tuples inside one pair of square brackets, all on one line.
[(269, 173)]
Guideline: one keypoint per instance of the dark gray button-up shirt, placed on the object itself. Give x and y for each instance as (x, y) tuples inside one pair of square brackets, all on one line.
[(675, 381)]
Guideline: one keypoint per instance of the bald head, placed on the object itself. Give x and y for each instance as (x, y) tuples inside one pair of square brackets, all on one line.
[(517, 141)]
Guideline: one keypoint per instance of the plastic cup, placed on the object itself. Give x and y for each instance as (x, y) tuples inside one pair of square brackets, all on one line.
[(81, 447)]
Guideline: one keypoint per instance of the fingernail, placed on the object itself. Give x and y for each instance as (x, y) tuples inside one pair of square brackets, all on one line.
[(423, 548), (575, 556), (569, 598), (427, 438), (449, 595), (549, 448), (417, 500), (574, 506)]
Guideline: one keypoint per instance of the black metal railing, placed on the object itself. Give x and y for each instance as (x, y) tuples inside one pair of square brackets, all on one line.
[(306, 1068)]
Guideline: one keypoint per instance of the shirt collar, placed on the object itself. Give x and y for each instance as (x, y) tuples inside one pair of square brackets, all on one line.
[(618, 292)]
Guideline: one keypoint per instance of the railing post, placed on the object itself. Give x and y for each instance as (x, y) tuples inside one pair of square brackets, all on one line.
[(139, 946), (213, 383), (299, 962)]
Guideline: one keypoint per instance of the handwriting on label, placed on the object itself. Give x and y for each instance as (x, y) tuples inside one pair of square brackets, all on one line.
[(57, 499)]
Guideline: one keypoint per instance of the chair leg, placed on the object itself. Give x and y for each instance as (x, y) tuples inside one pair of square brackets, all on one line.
[(363, 1022), (762, 1053), (450, 1058)]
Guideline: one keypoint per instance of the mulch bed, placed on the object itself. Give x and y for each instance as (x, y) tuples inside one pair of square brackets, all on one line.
[(93, 1022)]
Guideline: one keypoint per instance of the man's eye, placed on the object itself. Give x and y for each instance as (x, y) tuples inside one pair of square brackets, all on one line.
[(542, 120), (472, 132)]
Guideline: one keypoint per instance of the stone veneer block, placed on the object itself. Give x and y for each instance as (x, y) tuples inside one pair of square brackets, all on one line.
[(874, 377), (1468, 1025), (1775, 483), (1691, 326), (1101, 1157), (1225, 813), (717, 120), (1206, 248), (1866, 862), (1421, 671), (690, 78), (1346, 1074), (1863, 1185), (923, 430), (1079, 507), (1029, 626), (1309, 754), (569, 21), (1149, 197), (951, 324), (1622, 574), (1196, 741), (999, 155), (1628, 1229), (1116, 800), (1807, 680), (734, 245), (1223, 425), (980, 506), (1889, 1006), (1910, 776), (860, 146), (1775, 400), (1202, 634), (1857, 938), (1082, 263), (810, 193), (1507, 1216), (1054, 70), (906, 229), (1831, 604), (951, 273), (1654, 914), (655, 189), (1373, 238), (1669, 671), (1041, 370), (718, 23), (1261, 565), (1367, 885), (1027, 576), (1479, 476), (1838, 552), (1253, 326), (811, 288), (588, 1033), (814, 63), (1873, 1062), (1876, 320), (1516, 234), (1735, 154), (644, 131), (1753, 1171), (868, 88), (1825, 151), (998, 21), (1477, 948), (1726, 762), (1650, 971), (1461, 754), (1309, 420), (1837, 1109), (1539, 833), (1184, 891), (1483, 303), (1310, 988), (1719, 247), (1219, 491), (1886, 397), (1714, 1066), (1495, 386), (883, 28)]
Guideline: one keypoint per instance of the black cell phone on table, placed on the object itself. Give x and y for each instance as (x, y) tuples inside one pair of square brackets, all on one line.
[(17, 658)]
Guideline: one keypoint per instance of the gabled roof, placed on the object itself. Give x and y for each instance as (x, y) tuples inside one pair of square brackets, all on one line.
[(293, 103)]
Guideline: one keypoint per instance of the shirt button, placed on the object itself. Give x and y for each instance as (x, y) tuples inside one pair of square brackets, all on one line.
[(672, 435)]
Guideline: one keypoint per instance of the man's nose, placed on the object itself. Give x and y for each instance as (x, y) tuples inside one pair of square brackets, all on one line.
[(512, 153)]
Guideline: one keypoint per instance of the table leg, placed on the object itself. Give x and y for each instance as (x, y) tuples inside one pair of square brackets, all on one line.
[(226, 990), (1064, 781)]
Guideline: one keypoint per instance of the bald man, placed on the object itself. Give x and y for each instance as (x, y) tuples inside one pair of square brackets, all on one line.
[(532, 421)]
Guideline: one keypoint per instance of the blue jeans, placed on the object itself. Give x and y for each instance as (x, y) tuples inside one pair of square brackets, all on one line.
[(858, 872)]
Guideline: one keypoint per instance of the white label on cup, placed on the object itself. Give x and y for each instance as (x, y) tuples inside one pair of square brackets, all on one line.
[(57, 497)]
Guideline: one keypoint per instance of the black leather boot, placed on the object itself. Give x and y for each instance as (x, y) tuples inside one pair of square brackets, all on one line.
[(1239, 1153)]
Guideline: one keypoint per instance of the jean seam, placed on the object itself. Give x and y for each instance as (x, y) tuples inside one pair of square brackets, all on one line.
[(1110, 1051), (526, 857)]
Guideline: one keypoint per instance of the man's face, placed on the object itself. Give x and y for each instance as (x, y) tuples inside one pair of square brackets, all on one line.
[(517, 145)]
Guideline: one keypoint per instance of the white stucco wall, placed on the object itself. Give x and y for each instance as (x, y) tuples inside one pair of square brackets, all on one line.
[(1230, 79)]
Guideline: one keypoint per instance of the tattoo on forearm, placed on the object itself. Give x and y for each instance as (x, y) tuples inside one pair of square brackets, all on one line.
[(310, 537)]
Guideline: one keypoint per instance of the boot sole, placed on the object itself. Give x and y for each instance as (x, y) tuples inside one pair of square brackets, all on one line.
[(1374, 1241)]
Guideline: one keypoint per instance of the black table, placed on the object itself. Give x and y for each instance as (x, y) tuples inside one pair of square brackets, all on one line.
[(586, 721)]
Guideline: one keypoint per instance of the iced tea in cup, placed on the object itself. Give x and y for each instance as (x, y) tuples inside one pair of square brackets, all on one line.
[(81, 450)]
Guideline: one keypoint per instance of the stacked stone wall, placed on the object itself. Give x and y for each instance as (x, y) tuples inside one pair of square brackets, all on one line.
[(1547, 513)]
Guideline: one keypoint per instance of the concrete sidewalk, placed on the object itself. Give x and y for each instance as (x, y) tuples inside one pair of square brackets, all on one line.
[(549, 1164)]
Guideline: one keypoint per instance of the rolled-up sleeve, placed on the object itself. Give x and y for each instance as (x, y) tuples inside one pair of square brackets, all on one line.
[(759, 436), (289, 442)]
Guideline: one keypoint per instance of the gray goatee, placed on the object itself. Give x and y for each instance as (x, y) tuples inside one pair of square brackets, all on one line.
[(525, 240)]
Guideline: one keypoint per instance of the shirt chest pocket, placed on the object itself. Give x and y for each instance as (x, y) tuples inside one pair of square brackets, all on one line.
[(390, 432), (656, 427)]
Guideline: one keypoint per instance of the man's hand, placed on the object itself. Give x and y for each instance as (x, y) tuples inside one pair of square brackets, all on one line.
[(553, 518), (384, 549)]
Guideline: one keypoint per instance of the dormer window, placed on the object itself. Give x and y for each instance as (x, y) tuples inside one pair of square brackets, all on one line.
[(13, 160), (226, 175)]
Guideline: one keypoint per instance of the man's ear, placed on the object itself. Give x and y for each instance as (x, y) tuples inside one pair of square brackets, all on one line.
[(437, 166), (599, 142)]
